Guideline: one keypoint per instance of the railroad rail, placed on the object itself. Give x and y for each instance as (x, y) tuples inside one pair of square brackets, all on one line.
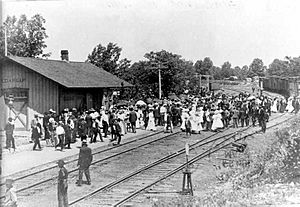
[(23, 182), (154, 170), (196, 158)]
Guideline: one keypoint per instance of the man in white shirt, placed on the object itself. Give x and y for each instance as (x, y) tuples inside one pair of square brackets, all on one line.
[(60, 132), (104, 119)]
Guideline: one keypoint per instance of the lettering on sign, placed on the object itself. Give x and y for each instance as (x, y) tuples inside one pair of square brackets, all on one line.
[(11, 80)]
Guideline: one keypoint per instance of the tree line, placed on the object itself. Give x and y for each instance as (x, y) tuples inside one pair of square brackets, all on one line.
[(26, 37)]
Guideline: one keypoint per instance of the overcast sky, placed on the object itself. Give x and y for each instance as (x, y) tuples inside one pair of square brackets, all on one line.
[(224, 30)]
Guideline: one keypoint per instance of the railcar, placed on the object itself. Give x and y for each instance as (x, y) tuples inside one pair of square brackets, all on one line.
[(286, 86)]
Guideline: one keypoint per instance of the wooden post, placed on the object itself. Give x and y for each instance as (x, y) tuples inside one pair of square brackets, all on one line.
[(187, 187)]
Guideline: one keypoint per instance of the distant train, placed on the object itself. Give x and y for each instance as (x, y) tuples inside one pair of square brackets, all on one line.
[(286, 86)]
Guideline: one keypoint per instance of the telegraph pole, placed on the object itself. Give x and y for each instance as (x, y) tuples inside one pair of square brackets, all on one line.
[(159, 83)]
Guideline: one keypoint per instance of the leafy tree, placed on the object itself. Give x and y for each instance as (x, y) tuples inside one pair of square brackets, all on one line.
[(106, 57), (257, 68), (293, 66), (171, 69), (216, 73), (25, 37), (226, 70), (204, 67)]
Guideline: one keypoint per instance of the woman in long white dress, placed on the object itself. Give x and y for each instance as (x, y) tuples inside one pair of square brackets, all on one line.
[(289, 106), (183, 115), (274, 106), (151, 122), (193, 121), (198, 120), (217, 121)]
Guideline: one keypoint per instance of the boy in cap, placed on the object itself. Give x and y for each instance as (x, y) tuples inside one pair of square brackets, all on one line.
[(62, 185), (10, 194)]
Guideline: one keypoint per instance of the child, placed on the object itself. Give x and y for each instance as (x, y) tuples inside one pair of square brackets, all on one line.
[(188, 126)]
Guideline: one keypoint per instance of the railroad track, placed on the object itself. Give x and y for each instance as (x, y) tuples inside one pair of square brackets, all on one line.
[(29, 180), (148, 174)]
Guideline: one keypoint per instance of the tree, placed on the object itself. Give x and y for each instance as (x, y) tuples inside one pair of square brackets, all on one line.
[(25, 37), (204, 67), (293, 66), (172, 70), (226, 70), (256, 68), (106, 57)]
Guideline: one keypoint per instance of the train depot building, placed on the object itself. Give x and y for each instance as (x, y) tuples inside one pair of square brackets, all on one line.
[(33, 85)]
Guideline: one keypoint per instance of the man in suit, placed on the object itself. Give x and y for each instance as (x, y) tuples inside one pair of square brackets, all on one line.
[(84, 162), (132, 119), (36, 132), (117, 130), (62, 185)]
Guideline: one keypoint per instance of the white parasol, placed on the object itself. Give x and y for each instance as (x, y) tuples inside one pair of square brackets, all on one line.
[(140, 102)]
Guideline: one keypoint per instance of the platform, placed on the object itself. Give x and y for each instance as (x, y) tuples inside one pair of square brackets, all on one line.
[(25, 158)]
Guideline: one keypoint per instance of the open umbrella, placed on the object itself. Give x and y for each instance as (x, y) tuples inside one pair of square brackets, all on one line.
[(140, 102), (251, 97)]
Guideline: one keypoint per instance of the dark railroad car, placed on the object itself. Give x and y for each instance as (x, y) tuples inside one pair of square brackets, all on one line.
[(286, 86)]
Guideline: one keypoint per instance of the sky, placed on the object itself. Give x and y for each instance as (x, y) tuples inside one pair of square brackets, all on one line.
[(224, 30)]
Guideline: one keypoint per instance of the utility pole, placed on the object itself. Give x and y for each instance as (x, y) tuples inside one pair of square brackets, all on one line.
[(159, 83), (200, 77)]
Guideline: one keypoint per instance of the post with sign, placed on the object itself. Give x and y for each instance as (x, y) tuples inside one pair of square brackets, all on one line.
[(187, 187)]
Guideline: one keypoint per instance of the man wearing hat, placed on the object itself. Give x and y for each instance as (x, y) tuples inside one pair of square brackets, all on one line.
[(62, 185), (10, 194), (36, 132), (132, 119), (84, 161)]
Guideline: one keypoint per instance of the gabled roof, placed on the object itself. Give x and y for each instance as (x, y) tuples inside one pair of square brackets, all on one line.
[(72, 74)]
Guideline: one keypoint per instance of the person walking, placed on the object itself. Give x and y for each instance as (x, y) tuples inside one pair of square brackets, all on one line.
[(117, 130), (36, 133), (60, 132), (10, 194), (188, 126), (262, 117), (9, 132), (62, 185), (68, 134), (132, 119), (84, 161)]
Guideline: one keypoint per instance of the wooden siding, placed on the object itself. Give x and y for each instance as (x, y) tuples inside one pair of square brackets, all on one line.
[(43, 92)]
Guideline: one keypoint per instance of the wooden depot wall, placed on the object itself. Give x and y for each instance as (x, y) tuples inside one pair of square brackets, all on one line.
[(43, 93)]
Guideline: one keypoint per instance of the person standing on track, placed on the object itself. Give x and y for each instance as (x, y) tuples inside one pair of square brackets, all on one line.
[(84, 161), (62, 185)]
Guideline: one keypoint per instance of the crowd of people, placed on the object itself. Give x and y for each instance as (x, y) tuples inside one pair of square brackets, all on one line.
[(193, 114), (209, 112)]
